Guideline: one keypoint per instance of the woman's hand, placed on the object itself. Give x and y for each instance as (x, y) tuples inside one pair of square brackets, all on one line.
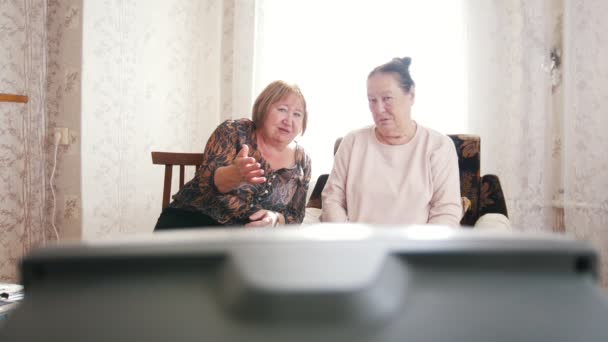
[(265, 218), (250, 171), (243, 169)]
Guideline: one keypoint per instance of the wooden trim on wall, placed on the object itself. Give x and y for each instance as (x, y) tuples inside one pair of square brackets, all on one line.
[(13, 98)]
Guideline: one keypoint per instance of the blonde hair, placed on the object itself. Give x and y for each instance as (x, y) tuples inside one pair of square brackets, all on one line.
[(273, 93)]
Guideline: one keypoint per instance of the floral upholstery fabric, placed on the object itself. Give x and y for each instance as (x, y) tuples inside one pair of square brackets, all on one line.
[(491, 198), (485, 193)]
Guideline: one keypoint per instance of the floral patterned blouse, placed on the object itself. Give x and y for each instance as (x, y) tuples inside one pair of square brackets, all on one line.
[(284, 190)]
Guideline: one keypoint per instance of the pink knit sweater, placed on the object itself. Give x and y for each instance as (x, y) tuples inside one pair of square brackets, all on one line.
[(414, 183)]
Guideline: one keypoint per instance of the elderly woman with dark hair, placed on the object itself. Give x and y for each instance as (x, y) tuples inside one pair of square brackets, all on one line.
[(395, 171), (253, 172)]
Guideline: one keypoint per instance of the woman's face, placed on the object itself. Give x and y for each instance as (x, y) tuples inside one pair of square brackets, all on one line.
[(284, 119), (390, 105)]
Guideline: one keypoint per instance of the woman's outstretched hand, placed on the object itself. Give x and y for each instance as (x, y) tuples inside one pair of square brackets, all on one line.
[(244, 169), (264, 218), (250, 171)]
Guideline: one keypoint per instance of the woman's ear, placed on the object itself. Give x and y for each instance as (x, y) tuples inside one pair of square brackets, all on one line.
[(413, 93)]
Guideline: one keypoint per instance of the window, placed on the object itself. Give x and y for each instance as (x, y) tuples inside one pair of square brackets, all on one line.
[(328, 47)]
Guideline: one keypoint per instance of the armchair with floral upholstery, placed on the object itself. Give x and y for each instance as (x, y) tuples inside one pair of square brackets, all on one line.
[(484, 193), (480, 195)]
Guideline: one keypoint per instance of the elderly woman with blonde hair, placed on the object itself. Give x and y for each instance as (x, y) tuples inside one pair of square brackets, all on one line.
[(253, 172)]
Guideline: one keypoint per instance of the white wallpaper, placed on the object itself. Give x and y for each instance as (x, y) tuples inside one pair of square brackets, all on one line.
[(543, 133), (585, 115), (150, 82), (510, 102)]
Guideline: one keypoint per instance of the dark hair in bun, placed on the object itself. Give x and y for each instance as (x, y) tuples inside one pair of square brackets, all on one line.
[(400, 67)]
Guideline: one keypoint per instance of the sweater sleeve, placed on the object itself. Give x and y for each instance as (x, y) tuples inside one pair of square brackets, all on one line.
[(334, 194), (446, 205)]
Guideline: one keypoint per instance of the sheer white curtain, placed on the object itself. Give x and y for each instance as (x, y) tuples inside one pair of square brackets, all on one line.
[(329, 47)]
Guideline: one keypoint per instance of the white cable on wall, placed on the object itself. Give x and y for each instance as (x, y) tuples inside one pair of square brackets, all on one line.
[(57, 138)]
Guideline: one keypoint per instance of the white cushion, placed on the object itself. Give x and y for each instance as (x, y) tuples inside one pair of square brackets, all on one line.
[(312, 216)]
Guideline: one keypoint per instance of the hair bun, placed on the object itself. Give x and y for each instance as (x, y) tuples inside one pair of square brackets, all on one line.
[(399, 66)]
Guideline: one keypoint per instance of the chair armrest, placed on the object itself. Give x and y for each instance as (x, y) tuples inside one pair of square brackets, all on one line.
[(491, 197)]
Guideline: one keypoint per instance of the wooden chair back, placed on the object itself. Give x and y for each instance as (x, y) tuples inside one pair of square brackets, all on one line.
[(169, 159)]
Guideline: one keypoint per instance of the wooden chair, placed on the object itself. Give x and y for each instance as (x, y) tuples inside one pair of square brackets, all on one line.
[(169, 159)]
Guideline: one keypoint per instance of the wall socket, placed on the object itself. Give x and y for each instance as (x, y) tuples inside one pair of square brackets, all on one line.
[(65, 135)]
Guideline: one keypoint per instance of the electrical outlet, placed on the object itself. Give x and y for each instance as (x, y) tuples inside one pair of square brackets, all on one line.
[(65, 135)]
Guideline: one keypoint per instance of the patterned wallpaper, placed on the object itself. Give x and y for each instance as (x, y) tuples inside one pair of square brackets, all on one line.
[(510, 102), (151, 80), (63, 104), (23, 185), (147, 77), (542, 132), (586, 142), (158, 76)]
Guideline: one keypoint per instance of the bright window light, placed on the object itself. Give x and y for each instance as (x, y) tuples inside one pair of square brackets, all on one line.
[(328, 47)]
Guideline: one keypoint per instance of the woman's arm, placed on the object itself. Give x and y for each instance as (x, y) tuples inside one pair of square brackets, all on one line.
[(243, 169), (220, 148), (446, 203), (334, 193)]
